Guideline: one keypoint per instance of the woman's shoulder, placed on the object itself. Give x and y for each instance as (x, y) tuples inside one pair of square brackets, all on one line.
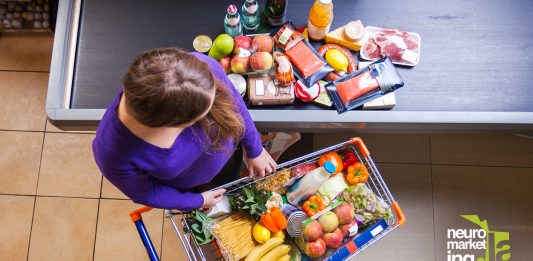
[(214, 65)]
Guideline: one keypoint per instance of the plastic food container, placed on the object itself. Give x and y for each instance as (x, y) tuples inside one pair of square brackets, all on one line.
[(371, 30)]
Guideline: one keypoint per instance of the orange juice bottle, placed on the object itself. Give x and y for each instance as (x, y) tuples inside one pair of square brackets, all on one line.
[(320, 18)]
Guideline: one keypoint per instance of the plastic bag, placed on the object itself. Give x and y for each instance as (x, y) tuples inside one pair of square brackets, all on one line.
[(368, 83)]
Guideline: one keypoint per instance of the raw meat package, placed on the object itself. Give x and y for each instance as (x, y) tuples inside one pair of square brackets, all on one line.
[(368, 83), (263, 91), (309, 66), (401, 47)]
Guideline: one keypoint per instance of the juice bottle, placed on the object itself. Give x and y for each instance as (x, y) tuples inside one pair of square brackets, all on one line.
[(320, 18), (309, 184)]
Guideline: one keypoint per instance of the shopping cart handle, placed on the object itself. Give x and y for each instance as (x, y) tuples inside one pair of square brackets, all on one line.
[(399, 213), (136, 214), (359, 143)]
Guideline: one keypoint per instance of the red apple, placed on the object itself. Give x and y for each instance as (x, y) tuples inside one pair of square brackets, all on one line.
[(315, 248), (346, 228), (239, 64), (329, 221), (261, 61), (226, 64), (345, 213), (262, 43), (241, 41), (312, 231), (333, 239)]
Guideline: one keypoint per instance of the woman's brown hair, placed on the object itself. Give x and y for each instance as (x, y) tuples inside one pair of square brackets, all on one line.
[(169, 87)]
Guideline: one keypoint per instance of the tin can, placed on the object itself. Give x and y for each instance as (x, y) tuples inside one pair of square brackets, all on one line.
[(238, 82), (202, 43), (295, 222)]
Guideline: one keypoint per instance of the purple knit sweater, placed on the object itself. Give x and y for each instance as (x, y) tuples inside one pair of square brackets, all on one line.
[(160, 177)]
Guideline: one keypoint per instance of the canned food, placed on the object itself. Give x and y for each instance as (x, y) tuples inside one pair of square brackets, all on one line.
[(202, 43), (295, 221), (238, 82)]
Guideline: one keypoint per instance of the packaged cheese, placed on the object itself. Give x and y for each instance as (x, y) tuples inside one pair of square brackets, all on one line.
[(342, 35)]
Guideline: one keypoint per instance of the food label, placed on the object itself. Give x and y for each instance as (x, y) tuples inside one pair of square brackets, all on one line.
[(259, 88), (285, 36), (409, 56)]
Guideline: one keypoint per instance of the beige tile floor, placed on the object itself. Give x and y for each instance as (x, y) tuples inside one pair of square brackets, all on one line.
[(56, 206)]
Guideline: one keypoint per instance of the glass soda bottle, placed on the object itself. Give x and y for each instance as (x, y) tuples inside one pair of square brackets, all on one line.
[(250, 16), (232, 22), (320, 18), (276, 11)]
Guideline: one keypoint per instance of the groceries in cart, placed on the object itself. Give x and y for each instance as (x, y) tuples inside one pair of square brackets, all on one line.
[(324, 206)]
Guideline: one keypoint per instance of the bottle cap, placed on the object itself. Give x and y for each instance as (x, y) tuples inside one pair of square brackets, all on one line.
[(325, 2), (232, 9), (329, 167)]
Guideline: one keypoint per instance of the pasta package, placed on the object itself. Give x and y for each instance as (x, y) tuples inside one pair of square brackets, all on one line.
[(368, 83), (308, 65)]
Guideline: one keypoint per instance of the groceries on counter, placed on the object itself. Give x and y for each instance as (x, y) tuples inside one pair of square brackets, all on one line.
[(276, 11), (263, 91), (401, 47), (346, 36), (250, 16), (309, 66), (371, 82), (284, 73), (340, 59), (307, 94), (323, 98), (232, 21), (320, 18)]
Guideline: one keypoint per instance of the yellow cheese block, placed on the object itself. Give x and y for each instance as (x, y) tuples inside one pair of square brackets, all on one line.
[(337, 37)]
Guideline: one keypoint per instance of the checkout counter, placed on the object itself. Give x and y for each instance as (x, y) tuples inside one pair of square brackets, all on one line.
[(475, 72)]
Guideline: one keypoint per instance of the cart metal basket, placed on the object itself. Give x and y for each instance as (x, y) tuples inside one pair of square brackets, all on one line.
[(350, 249)]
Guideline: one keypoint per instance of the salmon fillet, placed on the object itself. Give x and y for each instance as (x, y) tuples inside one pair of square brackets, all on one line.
[(304, 59), (356, 86)]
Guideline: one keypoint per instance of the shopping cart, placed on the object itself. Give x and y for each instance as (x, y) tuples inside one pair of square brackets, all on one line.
[(355, 246)]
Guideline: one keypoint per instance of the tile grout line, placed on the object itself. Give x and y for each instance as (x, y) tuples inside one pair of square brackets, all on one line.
[(432, 199), (35, 196), (96, 228), (98, 215), (18, 71)]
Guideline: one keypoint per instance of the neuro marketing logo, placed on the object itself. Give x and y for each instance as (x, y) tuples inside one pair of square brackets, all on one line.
[(466, 244)]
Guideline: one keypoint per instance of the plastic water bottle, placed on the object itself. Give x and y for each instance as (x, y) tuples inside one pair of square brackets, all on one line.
[(232, 22), (309, 184), (250, 16)]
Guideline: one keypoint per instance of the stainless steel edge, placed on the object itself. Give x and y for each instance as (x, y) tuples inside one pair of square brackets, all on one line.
[(63, 57), (360, 121)]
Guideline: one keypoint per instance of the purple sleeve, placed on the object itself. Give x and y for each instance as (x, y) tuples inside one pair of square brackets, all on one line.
[(251, 140), (141, 187)]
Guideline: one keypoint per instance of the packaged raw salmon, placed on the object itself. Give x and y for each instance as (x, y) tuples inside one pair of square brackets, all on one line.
[(309, 66), (368, 83)]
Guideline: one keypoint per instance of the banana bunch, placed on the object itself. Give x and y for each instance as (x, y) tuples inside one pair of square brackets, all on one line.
[(272, 250)]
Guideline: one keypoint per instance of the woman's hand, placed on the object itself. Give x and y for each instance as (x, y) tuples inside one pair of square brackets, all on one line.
[(212, 197), (262, 164)]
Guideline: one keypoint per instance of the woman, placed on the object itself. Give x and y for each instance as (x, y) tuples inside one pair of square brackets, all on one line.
[(172, 127)]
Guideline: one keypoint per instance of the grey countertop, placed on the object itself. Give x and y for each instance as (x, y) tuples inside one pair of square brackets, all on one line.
[(474, 73)]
